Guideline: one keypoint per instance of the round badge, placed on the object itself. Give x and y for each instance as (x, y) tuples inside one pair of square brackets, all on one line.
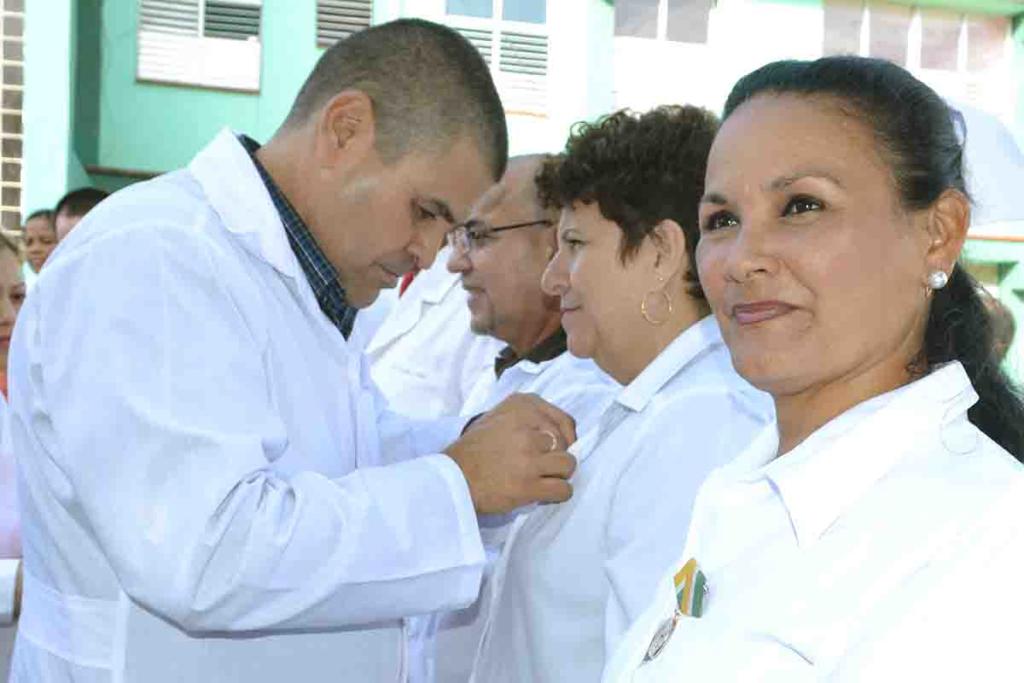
[(661, 638)]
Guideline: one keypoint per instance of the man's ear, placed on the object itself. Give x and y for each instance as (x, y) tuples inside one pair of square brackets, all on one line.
[(346, 128)]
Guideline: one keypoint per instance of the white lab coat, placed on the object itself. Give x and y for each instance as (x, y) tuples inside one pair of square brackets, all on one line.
[(887, 546), (198, 450), (572, 577), (446, 644), (424, 358), (369, 319)]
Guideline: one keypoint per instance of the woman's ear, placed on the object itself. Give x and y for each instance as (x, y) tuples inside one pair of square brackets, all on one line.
[(670, 244), (946, 224)]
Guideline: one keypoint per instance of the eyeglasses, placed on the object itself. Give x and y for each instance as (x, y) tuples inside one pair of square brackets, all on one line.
[(470, 235)]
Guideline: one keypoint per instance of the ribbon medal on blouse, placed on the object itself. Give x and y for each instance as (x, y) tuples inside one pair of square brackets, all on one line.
[(661, 637), (691, 588)]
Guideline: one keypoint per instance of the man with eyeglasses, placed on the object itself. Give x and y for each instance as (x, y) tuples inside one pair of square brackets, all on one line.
[(499, 254)]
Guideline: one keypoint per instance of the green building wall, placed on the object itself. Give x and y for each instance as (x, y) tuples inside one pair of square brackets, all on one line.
[(125, 125), (122, 129)]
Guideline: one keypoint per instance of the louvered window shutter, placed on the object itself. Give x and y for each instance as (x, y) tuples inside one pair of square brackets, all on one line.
[(337, 19), (208, 43), (481, 40), (524, 53), (518, 57), (170, 16), (523, 70), (231, 20)]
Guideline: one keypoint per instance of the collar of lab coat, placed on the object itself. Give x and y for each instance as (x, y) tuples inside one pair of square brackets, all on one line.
[(836, 465), (672, 360), (428, 288), (237, 193)]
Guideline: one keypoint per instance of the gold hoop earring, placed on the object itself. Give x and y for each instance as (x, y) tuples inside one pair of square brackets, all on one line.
[(647, 316)]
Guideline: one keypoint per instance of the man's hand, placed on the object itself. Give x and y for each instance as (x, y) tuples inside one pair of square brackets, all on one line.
[(515, 455)]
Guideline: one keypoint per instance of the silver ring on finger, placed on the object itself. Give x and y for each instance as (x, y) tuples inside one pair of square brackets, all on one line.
[(554, 440)]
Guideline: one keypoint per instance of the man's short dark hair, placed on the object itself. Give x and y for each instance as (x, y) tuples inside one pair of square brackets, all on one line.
[(640, 169), (80, 202), (428, 85)]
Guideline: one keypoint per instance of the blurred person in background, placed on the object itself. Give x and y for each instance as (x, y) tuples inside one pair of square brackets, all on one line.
[(1004, 327), (570, 579), (73, 207), (213, 489), (12, 294), (875, 531), (39, 236)]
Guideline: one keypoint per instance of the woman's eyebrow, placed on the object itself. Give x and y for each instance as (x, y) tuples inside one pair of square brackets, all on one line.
[(714, 198), (783, 182)]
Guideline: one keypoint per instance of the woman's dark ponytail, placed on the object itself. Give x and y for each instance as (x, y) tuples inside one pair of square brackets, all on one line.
[(960, 328), (915, 129)]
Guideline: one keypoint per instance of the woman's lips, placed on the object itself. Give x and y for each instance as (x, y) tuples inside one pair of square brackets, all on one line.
[(760, 311)]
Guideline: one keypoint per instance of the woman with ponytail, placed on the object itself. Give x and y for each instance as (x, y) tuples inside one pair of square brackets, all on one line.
[(876, 531)]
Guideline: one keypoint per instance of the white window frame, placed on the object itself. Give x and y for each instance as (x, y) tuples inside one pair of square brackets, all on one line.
[(197, 60), (661, 28), (964, 84), (521, 93)]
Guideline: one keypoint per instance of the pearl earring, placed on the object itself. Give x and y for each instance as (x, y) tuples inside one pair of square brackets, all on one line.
[(938, 279)]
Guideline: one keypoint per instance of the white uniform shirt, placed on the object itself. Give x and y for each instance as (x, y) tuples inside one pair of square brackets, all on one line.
[(887, 546), (447, 643), (573, 577), (198, 447), (424, 358), (10, 541)]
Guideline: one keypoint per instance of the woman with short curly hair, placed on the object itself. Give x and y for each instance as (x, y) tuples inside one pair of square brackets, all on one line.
[(628, 188)]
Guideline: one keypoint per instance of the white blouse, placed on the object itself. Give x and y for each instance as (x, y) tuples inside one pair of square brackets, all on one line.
[(572, 577), (889, 545), (442, 646)]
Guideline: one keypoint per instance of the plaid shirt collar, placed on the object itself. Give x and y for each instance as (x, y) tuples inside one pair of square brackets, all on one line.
[(322, 276)]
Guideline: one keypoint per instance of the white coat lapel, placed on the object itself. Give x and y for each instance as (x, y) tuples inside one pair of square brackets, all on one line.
[(403, 317), (237, 193), (427, 290)]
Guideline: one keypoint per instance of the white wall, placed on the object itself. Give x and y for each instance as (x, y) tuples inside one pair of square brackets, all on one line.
[(745, 34)]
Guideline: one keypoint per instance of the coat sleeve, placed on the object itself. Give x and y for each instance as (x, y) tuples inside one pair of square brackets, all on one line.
[(145, 384), (651, 508)]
